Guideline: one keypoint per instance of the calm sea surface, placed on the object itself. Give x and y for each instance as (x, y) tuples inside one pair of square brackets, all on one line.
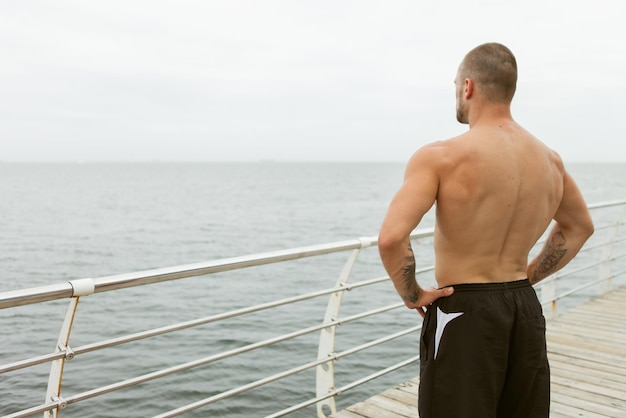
[(61, 222)]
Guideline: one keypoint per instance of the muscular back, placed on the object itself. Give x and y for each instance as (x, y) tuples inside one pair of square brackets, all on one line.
[(498, 190)]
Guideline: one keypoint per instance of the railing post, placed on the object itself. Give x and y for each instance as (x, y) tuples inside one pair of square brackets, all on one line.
[(548, 294), (604, 269), (81, 287), (325, 373)]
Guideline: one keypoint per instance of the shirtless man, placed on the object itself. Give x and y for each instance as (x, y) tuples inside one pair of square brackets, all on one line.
[(497, 189)]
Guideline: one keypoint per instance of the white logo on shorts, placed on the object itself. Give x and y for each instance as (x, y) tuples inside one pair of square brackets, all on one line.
[(442, 320)]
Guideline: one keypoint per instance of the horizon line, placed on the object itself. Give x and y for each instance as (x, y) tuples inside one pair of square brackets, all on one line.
[(258, 161)]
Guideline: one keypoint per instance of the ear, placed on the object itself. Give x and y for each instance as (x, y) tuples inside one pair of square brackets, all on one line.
[(469, 88)]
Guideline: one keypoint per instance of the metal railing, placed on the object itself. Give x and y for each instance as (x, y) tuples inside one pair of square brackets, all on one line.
[(601, 262)]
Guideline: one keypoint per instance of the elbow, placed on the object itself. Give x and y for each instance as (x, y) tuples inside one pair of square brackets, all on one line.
[(588, 229), (385, 243), (582, 231), (389, 242)]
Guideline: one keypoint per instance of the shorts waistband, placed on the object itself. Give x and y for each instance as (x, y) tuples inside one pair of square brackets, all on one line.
[(491, 287)]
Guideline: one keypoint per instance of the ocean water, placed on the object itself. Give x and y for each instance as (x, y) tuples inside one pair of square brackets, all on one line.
[(61, 222)]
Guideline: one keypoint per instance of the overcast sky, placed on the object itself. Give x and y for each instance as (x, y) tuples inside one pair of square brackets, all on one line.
[(296, 80)]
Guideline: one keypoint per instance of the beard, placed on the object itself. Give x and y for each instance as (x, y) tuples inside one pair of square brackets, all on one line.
[(461, 115)]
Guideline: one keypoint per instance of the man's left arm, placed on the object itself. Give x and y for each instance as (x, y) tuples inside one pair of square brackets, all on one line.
[(572, 228)]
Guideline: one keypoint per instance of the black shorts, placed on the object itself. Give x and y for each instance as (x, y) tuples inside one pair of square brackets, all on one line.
[(483, 354)]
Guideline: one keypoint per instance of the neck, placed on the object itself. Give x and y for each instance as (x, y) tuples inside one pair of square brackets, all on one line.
[(489, 114)]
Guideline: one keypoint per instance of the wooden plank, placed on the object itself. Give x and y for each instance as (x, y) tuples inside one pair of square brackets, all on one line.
[(582, 354), (408, 398), (395, 406), (370, 410), (571, 367), (411, 387), (586, 405), (584, 349), (570, 411), (585, 386), (594, 339), (557, 415), (600, 317), (347, 414), (592, 327), (594, 313), (588, 364), (589, 332), (619, 404)]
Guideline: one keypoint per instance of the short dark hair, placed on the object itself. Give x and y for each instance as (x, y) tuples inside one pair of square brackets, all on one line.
[(494, 69)]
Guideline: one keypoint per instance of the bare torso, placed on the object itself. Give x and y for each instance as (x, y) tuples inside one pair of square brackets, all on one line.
[(499, 188)]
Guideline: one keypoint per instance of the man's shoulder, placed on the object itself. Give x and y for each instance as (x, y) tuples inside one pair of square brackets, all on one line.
[(434, 158), (444, 146), (439, 152)]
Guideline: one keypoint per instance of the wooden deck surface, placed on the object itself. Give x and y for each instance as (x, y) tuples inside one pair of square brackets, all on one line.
[(587, 353)]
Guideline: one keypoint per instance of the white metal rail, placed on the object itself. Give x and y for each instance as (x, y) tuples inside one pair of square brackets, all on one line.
[(610, 265)]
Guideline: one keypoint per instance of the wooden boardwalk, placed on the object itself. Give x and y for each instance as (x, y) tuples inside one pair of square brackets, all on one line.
[(587, 353)]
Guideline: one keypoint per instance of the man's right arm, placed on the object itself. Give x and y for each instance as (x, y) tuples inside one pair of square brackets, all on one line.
[(411, 202), (572, 229)]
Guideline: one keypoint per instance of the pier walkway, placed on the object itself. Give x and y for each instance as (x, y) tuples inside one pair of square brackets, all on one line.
[(587, 353)]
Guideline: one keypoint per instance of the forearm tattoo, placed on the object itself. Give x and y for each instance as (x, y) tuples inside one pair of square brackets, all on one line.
[(411, 289), (550, 256)]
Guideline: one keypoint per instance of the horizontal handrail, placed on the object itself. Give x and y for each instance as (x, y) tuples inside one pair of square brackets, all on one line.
[(607, 204), (32, 411), (121, 281)]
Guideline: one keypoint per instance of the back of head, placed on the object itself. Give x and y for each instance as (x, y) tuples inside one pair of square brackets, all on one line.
[(493, 68)]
